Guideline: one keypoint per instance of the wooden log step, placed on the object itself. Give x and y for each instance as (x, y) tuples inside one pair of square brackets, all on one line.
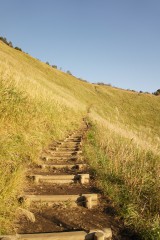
[(78, 235), (64, 158), (74, 138), (72, 235), (70, 144), (77, 135), (65, 148), (64, 141), (66, 152), (65, 144), (61, 179), (64, 155), (85, 200), (61, 166), (72, 141)]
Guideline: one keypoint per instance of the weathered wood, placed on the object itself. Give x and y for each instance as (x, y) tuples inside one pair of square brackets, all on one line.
[(83, 178), (72, 235), (61, 166), (74, 200), (77, 235)]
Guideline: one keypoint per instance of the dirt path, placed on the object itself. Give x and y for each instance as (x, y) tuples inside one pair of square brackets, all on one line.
[(63, 197)]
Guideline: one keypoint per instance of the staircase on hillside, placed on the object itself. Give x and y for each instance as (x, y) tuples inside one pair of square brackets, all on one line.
[(62, 196)]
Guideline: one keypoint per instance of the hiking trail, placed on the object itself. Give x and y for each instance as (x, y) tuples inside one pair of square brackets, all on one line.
[(62, 196)]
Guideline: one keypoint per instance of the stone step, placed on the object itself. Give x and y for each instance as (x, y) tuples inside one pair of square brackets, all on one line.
[(61, 166), (61, 179), (85, 200), (104, 234)]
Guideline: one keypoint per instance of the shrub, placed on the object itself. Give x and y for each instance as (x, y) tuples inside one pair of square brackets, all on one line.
[(157, 92), (3, 39), (19, 49), (68, 72), (104, 84), (10, 44), (54, 66)]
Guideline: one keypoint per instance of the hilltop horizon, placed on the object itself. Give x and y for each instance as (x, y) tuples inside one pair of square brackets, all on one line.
[(114, 42), (9, 43)]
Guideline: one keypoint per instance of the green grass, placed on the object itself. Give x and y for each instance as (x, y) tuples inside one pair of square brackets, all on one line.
[(39, 104)]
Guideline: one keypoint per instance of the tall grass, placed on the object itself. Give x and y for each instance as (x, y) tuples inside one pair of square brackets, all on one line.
[(26, 126), (129, 172), (39, 104), (32, 114)]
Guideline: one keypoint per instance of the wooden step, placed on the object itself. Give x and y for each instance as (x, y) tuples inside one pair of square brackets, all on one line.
[(74, 137), (56, 236), (62, 158), (85, 200), (61, 179), (65, 148), (64, 141), (66, 152), (77, 135), (72, 141), (104, 234), (61, 166)]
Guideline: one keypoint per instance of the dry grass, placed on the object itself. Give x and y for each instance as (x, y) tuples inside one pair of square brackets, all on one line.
[(129, 171), (39, 104), (33, 111)]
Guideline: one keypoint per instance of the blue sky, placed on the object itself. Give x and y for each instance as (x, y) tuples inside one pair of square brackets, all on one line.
[(111, 41)]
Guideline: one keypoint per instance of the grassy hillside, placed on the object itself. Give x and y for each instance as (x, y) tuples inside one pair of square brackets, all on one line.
[(39, 104)]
